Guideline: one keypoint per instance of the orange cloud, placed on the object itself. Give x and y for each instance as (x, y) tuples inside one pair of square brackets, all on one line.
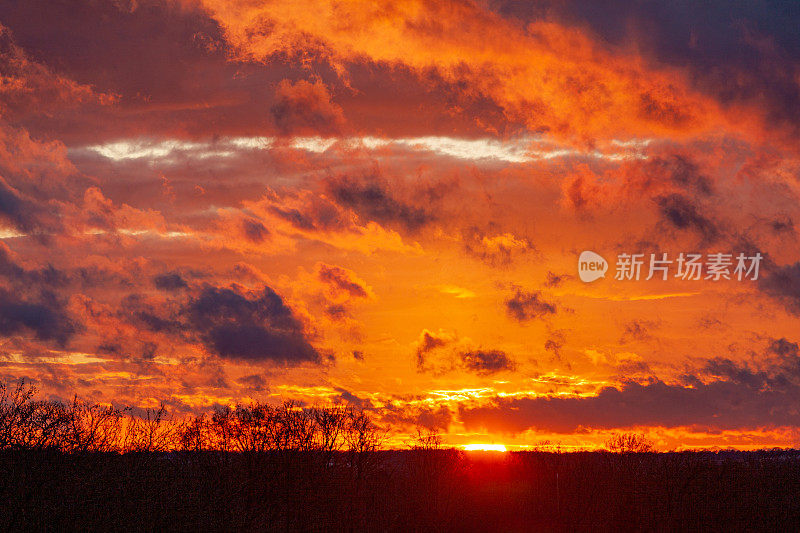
[(551, 78)]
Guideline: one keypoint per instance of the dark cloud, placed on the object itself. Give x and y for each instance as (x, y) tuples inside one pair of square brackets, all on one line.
[(337, 312), (783, 283), (683, 214), (429, 341), (556, 280), (19, 211), (33, 302), (525, 305), (132, 54), (637, 330), (24, 279), (254, 230), (345, 396), (681, 171), (738, 53), (485, 362), (230, 322), (733, 372), (170, 281), (150, 315), (411, 416), (440, 353), (783, 348), (555, 341), (8, 266), (721, 394), (371, 199), (343, 280), (654, 108), (46, 317), (311, 212), (255, 326), (255, 382), (295, 217), (720, 404), (782, 224)]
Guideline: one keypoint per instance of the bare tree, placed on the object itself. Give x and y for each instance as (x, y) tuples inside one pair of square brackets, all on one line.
[(93, 427), (629, 443), (152, 432), (426, 439)]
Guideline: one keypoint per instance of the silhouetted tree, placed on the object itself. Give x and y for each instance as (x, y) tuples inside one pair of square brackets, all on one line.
[(629, 443)]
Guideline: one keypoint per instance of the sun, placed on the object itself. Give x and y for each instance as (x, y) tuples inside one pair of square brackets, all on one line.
[(485, 448)]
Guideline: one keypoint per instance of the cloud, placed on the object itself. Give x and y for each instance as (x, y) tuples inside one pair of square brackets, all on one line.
[(742, 55), (410, 416), (638, 330), (528, 305), (46, 317), (294, 216), (718, 405), (305, 108), (679, 169), (243, 325), (170, 281), (35, 181), (551, 78), (682, 213), (99, 212), (371, 199), (254, 382), (486, 362), (254, 230), (337, 312), (312, 216), (342, 280), (783, 348), (206, 93), (306, 211), (30, 87), (249, 325), (20, 212), (151, 315), (442, 352), (428, 341), (721, 394), (496, 250), (556, 340), (783, 284)]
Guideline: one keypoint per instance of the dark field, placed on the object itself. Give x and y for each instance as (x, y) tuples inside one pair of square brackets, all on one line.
[(414, 490)]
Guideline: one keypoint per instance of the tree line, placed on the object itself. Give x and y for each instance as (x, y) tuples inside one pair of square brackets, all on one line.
[(28, 423)]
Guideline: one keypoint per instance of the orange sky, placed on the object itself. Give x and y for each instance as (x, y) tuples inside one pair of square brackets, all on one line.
[(383, 204)]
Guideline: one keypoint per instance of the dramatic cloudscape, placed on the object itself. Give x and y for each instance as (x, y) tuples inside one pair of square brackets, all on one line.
[(382, 204)]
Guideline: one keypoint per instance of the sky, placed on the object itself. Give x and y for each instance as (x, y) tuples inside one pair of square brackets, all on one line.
[(382, 204)]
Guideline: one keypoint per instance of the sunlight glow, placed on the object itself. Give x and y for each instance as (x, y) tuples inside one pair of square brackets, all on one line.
[(485, 448), (519, 150)]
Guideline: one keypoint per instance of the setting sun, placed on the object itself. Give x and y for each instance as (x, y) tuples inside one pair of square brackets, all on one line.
[(485, 448)]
